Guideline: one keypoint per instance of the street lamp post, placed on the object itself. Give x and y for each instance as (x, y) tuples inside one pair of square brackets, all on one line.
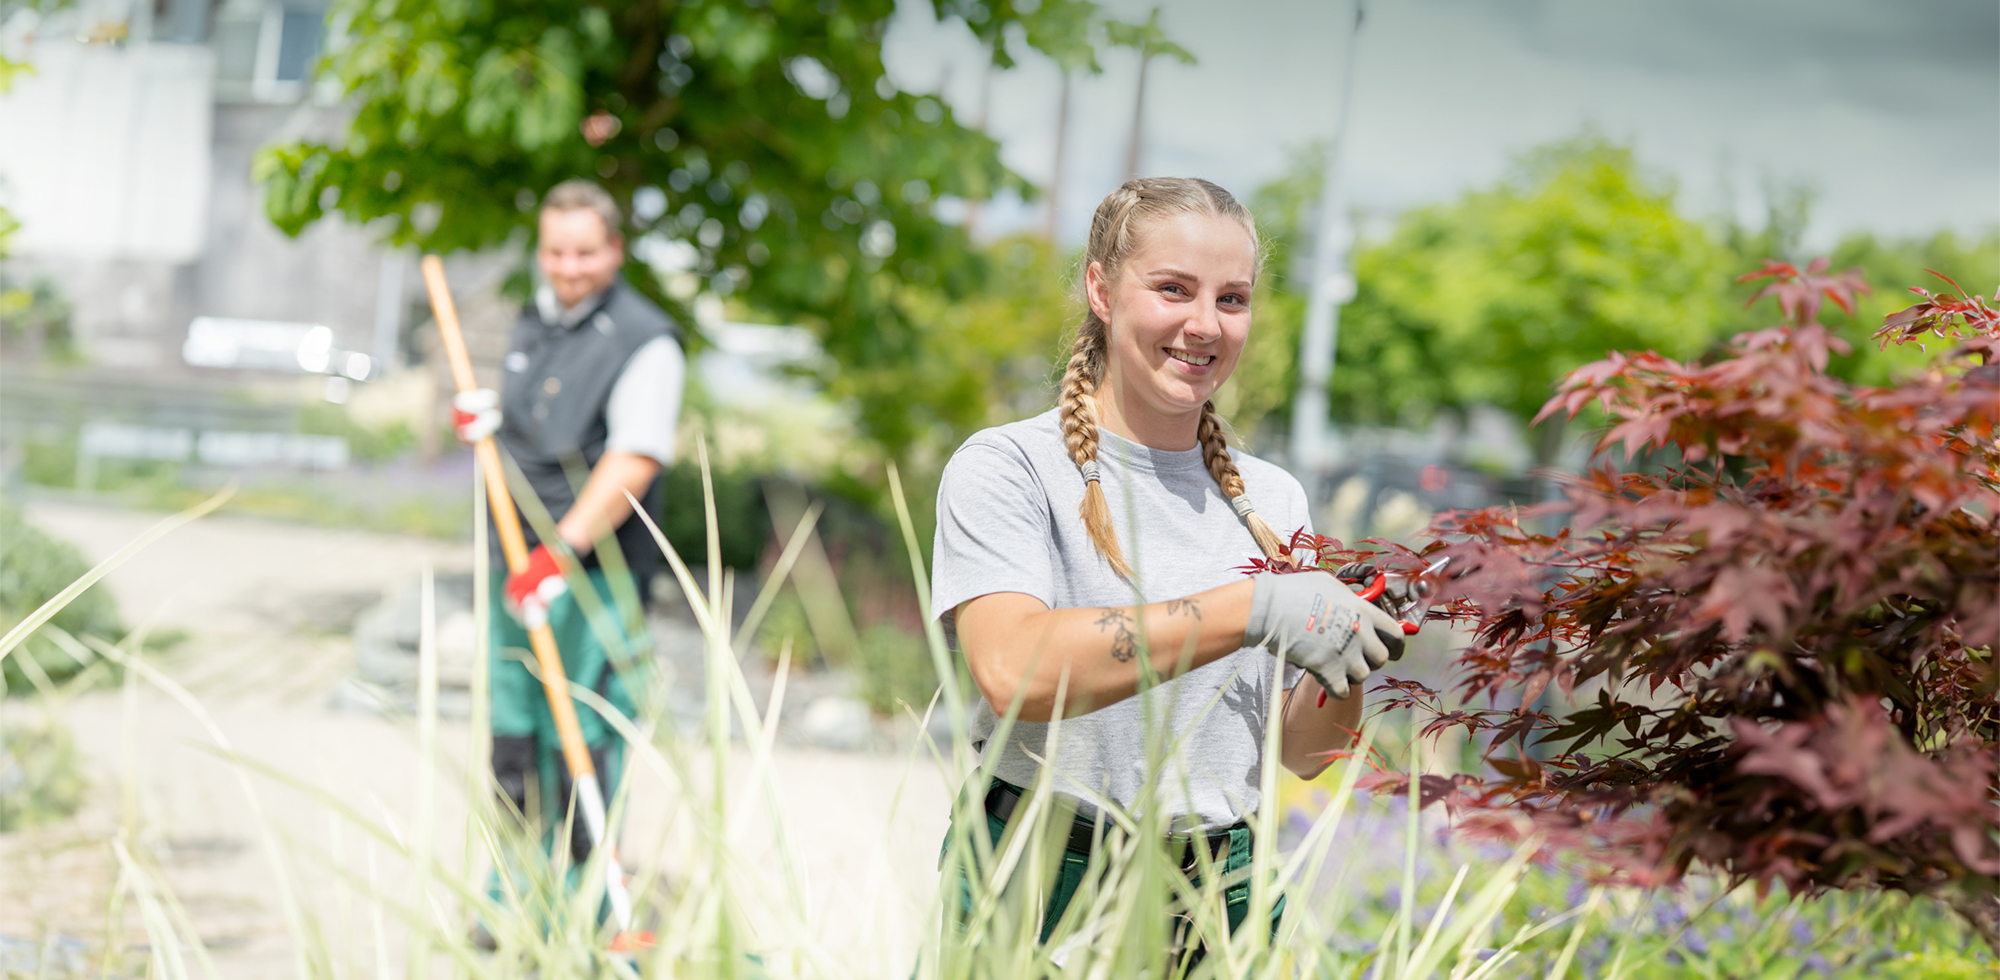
[(1312, 447)]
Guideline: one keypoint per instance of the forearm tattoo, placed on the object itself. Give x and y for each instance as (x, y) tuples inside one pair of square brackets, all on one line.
[(1176, 607), (1124, 642)]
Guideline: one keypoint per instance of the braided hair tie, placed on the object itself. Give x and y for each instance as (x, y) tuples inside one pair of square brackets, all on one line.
[(1089, 468), (1241, 504)]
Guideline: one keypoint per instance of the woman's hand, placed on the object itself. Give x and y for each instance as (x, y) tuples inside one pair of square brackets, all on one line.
[(1315, 622), (1069, 662)]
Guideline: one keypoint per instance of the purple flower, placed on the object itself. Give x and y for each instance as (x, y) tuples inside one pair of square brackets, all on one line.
[(1667, 915)]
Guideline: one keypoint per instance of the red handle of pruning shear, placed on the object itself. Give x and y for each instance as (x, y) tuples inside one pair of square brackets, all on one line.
[(1373, 592)]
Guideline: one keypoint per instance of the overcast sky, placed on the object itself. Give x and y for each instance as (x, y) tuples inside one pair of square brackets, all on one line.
[(1888, 109)]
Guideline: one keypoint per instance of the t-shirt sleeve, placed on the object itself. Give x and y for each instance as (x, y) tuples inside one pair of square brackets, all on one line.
[(993, 532), (643, 411)]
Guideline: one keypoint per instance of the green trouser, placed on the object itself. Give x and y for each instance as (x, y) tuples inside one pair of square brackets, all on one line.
[(527, 753), (1069, 877)]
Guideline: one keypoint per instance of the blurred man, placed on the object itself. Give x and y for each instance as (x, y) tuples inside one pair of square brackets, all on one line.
[(591, 385)]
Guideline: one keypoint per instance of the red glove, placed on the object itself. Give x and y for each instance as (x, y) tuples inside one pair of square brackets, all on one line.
[(533, 589), (475, 414)]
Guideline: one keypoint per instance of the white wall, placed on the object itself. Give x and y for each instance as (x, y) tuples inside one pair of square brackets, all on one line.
[(105, 151), (133, 186)]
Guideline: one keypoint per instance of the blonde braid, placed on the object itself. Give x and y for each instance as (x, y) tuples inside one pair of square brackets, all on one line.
[(1079, 426), (1215, 452)]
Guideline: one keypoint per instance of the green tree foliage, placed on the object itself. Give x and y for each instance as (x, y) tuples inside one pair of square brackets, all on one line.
[(1494, 297), (769, 156), (10, 71), (1006, 342), (1890, 263)]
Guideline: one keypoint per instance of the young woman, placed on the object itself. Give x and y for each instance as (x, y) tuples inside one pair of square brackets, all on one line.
[(1122, 513)]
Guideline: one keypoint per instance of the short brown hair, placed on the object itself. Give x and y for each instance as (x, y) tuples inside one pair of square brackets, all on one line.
[(583, 195)]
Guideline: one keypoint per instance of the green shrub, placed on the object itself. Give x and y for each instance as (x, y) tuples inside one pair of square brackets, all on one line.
[(35, 320), (40, 779), (742, 521), (49, 464), (363, 443), (895, 667), (33, 568), (786, 621)]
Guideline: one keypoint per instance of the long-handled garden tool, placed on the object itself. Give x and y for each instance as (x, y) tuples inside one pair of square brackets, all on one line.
[(582, 773)]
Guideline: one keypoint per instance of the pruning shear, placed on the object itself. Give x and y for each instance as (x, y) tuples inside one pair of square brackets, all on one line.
[(1402, 595)]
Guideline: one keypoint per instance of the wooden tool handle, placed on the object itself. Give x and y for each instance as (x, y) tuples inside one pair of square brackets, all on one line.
[(513, 544), (447, 318)]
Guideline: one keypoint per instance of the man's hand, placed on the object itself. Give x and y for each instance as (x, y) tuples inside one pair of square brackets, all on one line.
[(475, 414), (1315, 622), (533, 589)]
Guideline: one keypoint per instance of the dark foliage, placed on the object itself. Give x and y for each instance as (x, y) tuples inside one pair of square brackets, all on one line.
[(1778, 635)]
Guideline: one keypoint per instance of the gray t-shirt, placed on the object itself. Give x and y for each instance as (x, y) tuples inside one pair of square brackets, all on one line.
[(1007, 522)]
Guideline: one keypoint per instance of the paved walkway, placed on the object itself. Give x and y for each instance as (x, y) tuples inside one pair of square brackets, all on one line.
[(266, 608)]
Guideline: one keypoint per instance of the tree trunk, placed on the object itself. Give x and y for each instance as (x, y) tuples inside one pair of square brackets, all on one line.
[(1138, 120), (1547, 483), (985, 113), (1062, 139)]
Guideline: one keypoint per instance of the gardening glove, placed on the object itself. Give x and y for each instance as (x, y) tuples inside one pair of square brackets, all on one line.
[(533, 589), (475, 414), (1315, 622)]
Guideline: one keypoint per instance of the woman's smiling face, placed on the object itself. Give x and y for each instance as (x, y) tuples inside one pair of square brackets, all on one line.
[(1177, 312)]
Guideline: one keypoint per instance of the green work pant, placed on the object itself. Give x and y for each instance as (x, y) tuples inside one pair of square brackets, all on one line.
[(1069, 877), (527, 754)]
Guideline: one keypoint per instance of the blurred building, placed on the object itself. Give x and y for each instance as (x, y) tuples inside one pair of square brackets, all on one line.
[(126, 155), (170, 323)]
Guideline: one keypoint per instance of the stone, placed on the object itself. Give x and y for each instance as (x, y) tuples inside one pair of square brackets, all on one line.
[(837, 722)]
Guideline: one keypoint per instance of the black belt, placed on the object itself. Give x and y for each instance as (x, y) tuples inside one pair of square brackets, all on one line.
[(1003, 797)]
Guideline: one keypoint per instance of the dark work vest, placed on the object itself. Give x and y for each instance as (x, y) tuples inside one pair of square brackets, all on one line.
[(555, 384)]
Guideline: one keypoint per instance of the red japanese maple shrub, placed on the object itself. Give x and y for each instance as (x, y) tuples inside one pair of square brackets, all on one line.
[(1779, 642)]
